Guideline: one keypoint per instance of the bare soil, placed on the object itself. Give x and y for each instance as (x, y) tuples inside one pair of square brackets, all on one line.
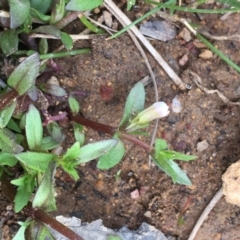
[(106, 76)]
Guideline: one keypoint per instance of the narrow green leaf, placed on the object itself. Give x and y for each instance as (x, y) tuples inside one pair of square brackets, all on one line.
[(83, 5), (48, 143), (14, 126), (40, 16), (53, 89), (50, 30), (90, 26), (24, 75), (43, 46), (6, 114), (72, 152), (35, 160), (20, 235), (44, 197), (7, 159), (79, 133), (34, 129), (176, 155), (8, 143), (41, 5), (58, 11), (231, 3), (66, 40), (74, 104), (19, 12), (134, 104), (130, 3), (112, 157), (94, 150), (9, 41), (172, 170), (38, 230), (56, 132)]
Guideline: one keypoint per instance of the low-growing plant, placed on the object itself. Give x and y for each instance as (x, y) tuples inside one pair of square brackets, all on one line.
[(31, 138), (25, 141)]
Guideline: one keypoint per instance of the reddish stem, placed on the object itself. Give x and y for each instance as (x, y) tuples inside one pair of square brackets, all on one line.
[(108, 130)]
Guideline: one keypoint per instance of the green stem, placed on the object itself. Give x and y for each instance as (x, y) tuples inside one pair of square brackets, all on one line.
[(65, 54), (218, 52)]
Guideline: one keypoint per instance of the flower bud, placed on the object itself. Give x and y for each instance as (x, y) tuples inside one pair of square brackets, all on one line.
[(157, 110)]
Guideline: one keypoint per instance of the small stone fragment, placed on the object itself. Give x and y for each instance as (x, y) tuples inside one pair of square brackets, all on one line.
[(203, 145), (183, 60), (198, 44), (107, 18), (176, 105), (148, 214), (185, 34), (231, 184), (53, 80), (206, 54), (135, 194)]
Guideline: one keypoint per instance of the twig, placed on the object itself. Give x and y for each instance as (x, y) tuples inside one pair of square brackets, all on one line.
[(124, 19), (73, 36), (205, 213), (198, 81)]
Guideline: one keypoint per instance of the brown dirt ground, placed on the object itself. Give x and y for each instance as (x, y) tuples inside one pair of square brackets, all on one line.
[(118, 64)]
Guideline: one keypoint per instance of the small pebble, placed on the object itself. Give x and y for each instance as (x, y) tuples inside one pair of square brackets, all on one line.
[(176, 105)]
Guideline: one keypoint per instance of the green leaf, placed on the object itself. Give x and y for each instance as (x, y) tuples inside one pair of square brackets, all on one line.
[(134, 104), (74, 104), (69, 168), (66, 40), (172, 170), (9, 41), (79, 133), (58, 12), (50, 30), (176, 155), (112, 157), (24, 191), (6, 114), (83, 5), (8, 143), (40, 16), (19, 12), (56, 132), (43, 46), (231, 3), (48, 143), (7, 159), (89, 25), (35, 160), (160, 144), (130, 3), (24, 75), (14, 126), (44, 197), (53, 89), (38, 230), (34, 129), (94, 150), (41, 5), (72, 152), (20, 235)]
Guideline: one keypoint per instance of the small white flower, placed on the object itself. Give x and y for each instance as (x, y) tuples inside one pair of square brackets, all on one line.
[(157, 110)]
